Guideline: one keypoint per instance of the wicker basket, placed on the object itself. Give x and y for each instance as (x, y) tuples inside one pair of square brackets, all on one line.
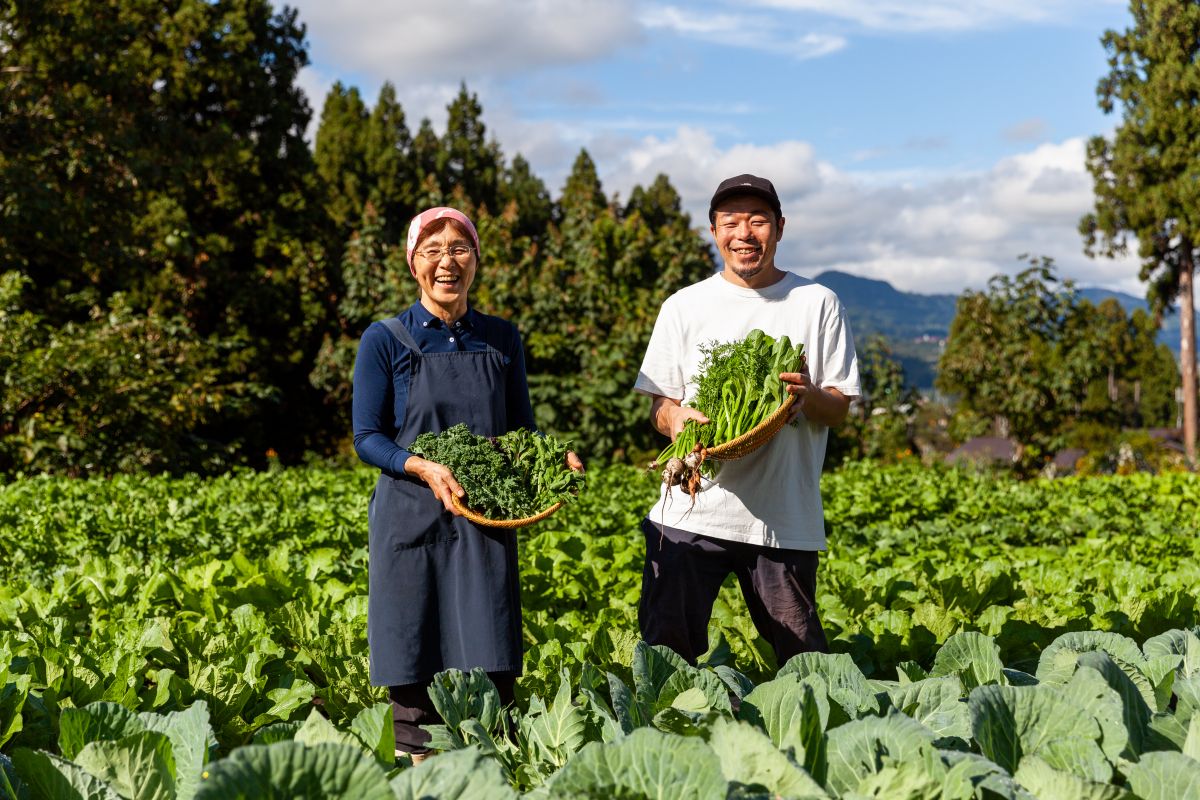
[(479, 519), (754, 438)]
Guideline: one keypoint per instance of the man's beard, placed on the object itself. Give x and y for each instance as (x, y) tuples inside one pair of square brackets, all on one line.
[(746, 273)]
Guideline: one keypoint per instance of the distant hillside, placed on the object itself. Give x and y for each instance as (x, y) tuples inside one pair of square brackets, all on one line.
[(878, 307), (913, 322)]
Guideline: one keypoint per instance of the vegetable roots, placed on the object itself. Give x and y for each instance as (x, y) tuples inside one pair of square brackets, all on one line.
[(737, 389)]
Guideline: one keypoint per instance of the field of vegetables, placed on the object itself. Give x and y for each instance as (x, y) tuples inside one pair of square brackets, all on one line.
[(993, 639)]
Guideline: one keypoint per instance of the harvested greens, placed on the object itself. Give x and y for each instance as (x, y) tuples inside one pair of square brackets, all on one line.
[(737, 389), (511, 476)]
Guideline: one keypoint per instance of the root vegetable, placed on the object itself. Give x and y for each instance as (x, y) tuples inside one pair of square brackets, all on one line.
[(738, 387)]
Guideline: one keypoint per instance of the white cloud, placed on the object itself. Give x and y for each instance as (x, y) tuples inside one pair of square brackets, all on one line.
[(937, 235), (406, 40), (741, 30), (921, 230), (936, 15)]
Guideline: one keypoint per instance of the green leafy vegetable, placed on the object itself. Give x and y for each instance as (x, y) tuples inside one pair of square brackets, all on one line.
[(514, 475), (738, 388)]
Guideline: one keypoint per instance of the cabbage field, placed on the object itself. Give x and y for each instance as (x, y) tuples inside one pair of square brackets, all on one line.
[(992, 639)]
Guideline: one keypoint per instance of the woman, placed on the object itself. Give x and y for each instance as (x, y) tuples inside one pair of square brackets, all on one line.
[(443, 593)]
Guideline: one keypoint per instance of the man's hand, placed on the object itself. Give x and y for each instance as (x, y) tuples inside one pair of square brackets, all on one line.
[(799, 385), (668, 416), (439, 479), (825, 406), (574, 462)]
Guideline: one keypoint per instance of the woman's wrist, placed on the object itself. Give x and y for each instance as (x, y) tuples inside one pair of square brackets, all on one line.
[(414, 466)]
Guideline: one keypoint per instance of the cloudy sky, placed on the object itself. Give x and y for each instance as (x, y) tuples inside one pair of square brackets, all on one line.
[(927, 144)]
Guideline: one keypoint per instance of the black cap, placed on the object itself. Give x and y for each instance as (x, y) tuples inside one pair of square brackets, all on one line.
[(744, 184)]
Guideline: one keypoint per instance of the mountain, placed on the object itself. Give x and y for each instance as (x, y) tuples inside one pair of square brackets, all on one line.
[(916, 324), (878, 307)]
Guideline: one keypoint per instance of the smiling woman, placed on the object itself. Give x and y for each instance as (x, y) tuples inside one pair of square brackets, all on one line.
[(442, 592), (443, 261)]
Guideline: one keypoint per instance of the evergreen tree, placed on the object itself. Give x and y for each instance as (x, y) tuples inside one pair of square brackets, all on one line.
[(1145, 177), (659, 204), (592, 302), (582, 196), (528, 198), (468, 165), (391, 174), (158, 154), (341, 155), (426, 154)]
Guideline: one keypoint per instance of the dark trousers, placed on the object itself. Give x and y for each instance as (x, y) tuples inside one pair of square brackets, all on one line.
[(412, 708), (682, 577)]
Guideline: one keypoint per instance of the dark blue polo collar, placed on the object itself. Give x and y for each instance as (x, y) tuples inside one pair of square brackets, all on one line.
[(467, 322)]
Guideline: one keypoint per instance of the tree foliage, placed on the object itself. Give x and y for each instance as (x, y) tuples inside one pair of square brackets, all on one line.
[(1033, 356), (173, 248), (155, 152), (586, 298), (117, 391), (1145, 176), (880, 423)]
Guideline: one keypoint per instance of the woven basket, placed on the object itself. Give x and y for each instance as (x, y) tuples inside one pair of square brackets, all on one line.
[(479, 519), (754, 438)]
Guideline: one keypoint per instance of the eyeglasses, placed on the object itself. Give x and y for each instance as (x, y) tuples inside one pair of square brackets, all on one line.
[(458, 252)]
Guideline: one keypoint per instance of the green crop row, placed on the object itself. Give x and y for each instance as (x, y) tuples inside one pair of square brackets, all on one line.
[(1101, 718), (247, 593)]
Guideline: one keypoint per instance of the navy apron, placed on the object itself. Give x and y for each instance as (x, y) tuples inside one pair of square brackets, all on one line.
[(442, 592)]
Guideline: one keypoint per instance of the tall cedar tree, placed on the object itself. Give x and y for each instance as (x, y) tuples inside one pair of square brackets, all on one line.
[(370, 172), (389, 165), (154, 151), (524, 195), (340, 152), (425, 156), (1146, 177), (467, 162)]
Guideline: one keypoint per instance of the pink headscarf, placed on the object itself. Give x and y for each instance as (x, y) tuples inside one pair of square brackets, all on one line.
[(429, 215)]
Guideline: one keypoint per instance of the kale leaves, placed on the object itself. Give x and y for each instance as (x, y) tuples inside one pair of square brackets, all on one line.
[(514, 475)]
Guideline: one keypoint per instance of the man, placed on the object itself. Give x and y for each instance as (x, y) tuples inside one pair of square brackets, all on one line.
[(761, 518)]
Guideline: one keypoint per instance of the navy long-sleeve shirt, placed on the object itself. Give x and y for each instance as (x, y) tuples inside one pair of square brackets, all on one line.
[(382, 370)]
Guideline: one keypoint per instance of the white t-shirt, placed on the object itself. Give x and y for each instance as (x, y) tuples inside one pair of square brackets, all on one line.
[(772, 496)]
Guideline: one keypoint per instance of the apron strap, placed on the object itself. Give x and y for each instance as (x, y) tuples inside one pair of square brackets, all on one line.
[(398, 330)]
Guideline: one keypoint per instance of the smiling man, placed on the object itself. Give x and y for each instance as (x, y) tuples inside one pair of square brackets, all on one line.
[(761, 518)]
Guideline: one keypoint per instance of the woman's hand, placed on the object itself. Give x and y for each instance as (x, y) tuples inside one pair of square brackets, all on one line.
[(574, 462), (439, 479)]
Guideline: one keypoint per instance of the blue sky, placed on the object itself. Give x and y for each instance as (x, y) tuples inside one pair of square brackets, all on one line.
[(927, 144)]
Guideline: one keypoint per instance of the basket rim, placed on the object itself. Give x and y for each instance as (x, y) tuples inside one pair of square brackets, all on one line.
[(754, 438), (479, 519)]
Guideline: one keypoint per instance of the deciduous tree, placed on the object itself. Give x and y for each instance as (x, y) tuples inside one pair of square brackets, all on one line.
[(1032, 355)]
